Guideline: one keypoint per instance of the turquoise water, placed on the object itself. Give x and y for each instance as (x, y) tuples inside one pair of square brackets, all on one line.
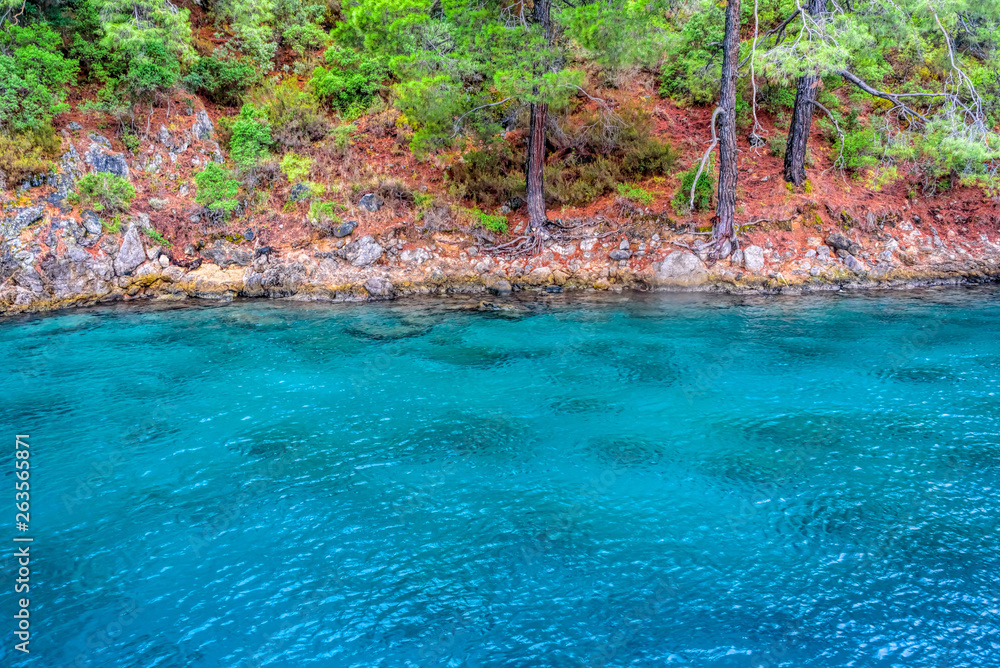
[(630, 481)]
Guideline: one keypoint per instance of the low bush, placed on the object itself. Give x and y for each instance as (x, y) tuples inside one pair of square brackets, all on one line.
[(635, 194), (222, 80), (350, 80), (24, 156), (106, 192), (249, 136), (495, 224), (296, 167), (217, 189), (294, 115), (703, 192)]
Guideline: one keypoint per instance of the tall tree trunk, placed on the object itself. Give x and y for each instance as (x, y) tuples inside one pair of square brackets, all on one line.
[(536, 135), (725, 211), (536, 161), (798, 133)]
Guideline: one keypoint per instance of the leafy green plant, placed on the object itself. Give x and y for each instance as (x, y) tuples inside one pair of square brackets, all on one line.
[(222, 80), (296, 167), (702, 193), (635, 193), (106, 192), (423, 200), (295, 115), (217, 189), (34, 78), (28, 154), (350, 80), (249, 137), (497, 224), (156, 236), (112, 225)]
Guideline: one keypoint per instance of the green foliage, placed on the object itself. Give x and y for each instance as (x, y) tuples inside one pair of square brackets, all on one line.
[(106, 192), (423, 200), (350, 80), (294, 115), (860, 149), (249, 137), (296, 167), (496, 224), (217, 189), (223, 81), (342, 138), (691, 62), (702, 193), (323, 212), (34, 77), (596, 158), (27, 155), (635, 193), (157, 237)]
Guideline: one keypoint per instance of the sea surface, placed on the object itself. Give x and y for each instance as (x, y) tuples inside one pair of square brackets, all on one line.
[(632, 480)]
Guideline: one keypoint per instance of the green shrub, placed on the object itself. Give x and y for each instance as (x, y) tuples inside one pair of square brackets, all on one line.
[(860, 149), (295, 116), (223, 81), (496, 224), (342, 138), (777, 144), (26, 155), (217, 189), (106, 192), (34, 78), (635, 193), (156, 236), (702, 193), (296, 167), (249, 137), (350, 81)]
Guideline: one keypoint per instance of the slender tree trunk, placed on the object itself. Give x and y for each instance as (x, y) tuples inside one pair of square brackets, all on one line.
[(536, 162), (536, 135), (798, 133), (725, 211)]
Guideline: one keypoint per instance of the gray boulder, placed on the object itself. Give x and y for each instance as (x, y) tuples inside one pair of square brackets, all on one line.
[(378, 287), (345, 228), (227, 254), (103, 161), (363, 252), (855, 265), (202, 127), (415, 255), (620, 254), (130, 254), (681, 268), (839, 241), (25, 216), (91, 222), (298, 192), (371, 202), (753, 258)]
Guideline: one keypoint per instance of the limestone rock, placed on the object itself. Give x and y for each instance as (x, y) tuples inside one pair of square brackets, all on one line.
[(202, 128), (855, 265), (25, 216), (681, 268), (379, 287), (228, 254), (130, 254), (102, 160), (415, 255), (620, 254), (753, 258), (363, 252)]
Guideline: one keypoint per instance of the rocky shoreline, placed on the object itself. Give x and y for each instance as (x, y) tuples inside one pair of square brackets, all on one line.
[(56, 262)]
